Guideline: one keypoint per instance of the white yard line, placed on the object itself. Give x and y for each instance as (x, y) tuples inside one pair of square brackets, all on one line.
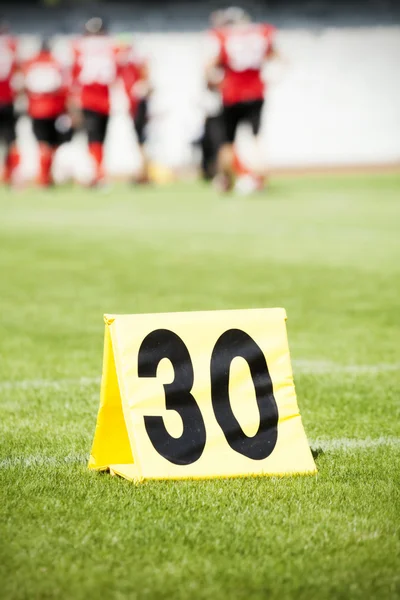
[(41, 460), (27, 384), (317, 367), (306, 367), (324, 444), (331, 445)]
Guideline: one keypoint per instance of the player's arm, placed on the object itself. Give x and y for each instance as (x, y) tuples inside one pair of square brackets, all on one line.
[(213, 73), (73, 91), (144, 87), (275, 63), (213, 70), (74, 86), (272, 52), (17, 73), (18, 82)]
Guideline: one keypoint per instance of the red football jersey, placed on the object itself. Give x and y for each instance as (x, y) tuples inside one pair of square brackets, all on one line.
[(8, 66), (131, 74), (45, 85), (95, 70), (242, 52)]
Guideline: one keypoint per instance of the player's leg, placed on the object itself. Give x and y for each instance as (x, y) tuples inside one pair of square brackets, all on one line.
[(252, 176), (8, 134), (95, 125), (226, 155), (213, 139), (64, 129), (45, 134), (140, 123), (255, 117)]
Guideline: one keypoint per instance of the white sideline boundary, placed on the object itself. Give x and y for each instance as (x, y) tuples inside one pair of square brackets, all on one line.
[(322, 444), (306, 367)]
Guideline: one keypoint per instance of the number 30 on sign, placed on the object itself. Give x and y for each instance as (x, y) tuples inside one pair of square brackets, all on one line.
[(196, 395)]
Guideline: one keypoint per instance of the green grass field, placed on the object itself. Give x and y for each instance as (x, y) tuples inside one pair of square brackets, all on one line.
[(326, 249)]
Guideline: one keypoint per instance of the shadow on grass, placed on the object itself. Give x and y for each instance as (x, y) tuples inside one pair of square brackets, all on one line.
[(316, 452)]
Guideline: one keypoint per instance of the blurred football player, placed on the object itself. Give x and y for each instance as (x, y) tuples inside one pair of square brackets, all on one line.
[(45, 84), (8, 68), (135, 76), (95, 70), (244, 48)]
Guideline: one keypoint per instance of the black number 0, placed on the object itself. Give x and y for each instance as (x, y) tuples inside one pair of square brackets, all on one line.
[(231, 344), (188, 448)]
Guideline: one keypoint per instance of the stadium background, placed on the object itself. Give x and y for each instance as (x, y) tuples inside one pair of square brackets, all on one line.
[(335, 103)]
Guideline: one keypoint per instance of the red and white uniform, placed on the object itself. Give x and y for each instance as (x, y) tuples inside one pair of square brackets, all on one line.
[(242, 53), (131, 75), (8, 66), (94, 72), (46, 86)]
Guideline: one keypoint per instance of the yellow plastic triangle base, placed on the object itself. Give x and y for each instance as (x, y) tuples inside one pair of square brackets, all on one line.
[(111, 442), (129, 472)]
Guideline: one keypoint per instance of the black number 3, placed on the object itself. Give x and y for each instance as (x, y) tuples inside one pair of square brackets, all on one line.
[(188, 448)]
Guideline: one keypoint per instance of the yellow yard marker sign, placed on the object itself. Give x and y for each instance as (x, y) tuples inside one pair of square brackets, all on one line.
[(198, 395)]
